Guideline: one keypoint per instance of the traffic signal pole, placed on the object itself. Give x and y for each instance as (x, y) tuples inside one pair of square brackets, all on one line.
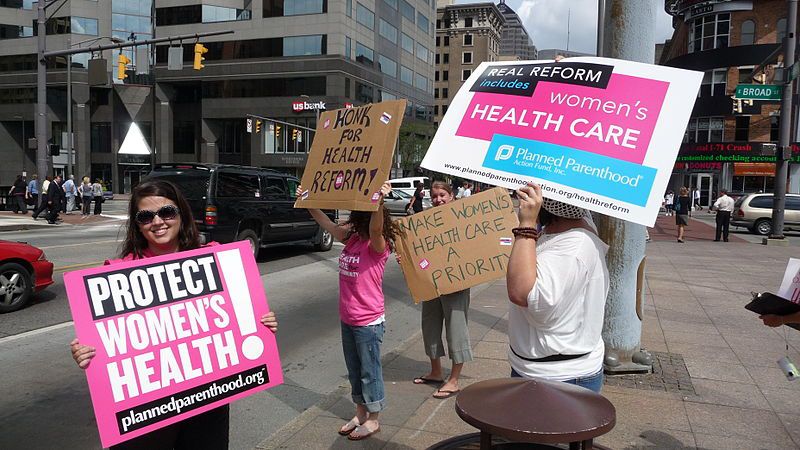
[(784, 150), (41, 77)]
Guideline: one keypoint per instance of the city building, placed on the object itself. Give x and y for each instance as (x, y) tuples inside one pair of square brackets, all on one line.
[(285, 63), (551, 53), (723, 142), (466, 35), (515, 43)]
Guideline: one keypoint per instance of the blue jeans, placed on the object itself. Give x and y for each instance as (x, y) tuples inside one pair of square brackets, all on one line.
[(362, 355), (592, 382)]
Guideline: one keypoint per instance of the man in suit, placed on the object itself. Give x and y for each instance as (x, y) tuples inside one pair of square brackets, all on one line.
[(55, 195)]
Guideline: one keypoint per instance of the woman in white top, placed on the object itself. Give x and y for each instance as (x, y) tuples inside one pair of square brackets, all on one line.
[(557, 285)]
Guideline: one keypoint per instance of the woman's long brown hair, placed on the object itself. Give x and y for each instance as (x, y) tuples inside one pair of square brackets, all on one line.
[(135, 243), (359, 224)]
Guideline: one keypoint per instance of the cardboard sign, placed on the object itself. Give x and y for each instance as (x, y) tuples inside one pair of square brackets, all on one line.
[(598, 133), (351, 157), (176, 335), (455, 246), (790, 286)]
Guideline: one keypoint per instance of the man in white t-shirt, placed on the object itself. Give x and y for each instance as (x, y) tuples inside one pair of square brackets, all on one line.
[(467, 190), (724, 207), (697, 200)]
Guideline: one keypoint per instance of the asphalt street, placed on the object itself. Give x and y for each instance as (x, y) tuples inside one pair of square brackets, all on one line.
[(44, 399)]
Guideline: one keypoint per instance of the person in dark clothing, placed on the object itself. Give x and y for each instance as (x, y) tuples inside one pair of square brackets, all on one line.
[(416, 202), (17, 194), (55, 196), (43, 200)]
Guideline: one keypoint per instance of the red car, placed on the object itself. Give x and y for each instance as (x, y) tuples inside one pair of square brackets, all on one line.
[(24, 269)]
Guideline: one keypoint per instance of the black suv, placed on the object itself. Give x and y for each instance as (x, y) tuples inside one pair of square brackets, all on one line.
[(233, 203)]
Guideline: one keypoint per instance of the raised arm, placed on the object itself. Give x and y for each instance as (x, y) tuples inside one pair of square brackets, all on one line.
[(521, 275), (376, 240), (337, 231)]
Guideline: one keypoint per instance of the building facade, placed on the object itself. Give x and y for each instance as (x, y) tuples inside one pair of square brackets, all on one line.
[(551, 53), (285, 63), (722, 145), (466, 35), (515, 41)]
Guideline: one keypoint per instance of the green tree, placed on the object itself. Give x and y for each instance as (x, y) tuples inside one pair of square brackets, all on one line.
[(415, 138)]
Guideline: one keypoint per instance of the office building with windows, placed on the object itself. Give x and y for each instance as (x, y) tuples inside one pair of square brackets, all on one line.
[(551, 53), (722, 145), (466, 35), (285, 62), (515, 42)]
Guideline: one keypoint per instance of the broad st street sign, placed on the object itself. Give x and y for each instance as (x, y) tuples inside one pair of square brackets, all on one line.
[(758, 92)]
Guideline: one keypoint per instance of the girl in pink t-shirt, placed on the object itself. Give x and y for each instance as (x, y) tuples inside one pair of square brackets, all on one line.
[(368, 239)]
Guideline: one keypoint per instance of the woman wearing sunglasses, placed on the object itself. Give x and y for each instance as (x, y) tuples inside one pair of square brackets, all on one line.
[(160, 222)]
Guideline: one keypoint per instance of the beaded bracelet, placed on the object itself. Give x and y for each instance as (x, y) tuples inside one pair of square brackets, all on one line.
[(525, 233)]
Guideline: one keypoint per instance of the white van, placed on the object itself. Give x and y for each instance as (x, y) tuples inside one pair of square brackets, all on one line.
[(408, 185)]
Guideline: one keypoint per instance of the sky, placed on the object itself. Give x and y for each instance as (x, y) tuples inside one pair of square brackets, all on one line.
[(546, 21)]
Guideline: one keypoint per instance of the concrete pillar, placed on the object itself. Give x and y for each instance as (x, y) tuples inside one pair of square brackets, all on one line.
[(82, 128), (208, 141), (629, 34), (164, 118)]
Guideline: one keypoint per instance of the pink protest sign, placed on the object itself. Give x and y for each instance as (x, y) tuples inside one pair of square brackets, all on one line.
[(176, 335)]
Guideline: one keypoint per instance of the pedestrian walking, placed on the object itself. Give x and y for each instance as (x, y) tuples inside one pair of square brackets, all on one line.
[(669, 200), (55, 195), (557, 283), (450, 312), (97, 193), (696, 196), (461, 189), (44, 202), (17, 195), (682, 207), (160, 222), (467, 190), (71, 191), (32, 193), (87, 192), (724, 208), (368, 239), (416, 200)]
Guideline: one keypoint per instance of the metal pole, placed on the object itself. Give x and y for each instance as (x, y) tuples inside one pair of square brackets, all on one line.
[(69, 117), (41, 97), (629, 34), (601, 25), (784, 153)]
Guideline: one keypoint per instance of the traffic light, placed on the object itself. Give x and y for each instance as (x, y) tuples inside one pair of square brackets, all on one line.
[(737, 106), (258, 126), (277, 131), (199, 50), (295, 132), (122, 62)]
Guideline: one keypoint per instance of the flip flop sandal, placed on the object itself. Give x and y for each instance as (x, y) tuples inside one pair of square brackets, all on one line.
[(351, 426), (447, 394), (425, 380), (362, 436)]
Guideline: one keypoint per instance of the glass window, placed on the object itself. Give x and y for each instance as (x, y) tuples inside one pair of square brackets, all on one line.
[(713, 83), (406, 75), (101, 137), (348, 8), (274, 188), (364, 54), (387, 30), (742, 132), (303, 45), (407, 10), (445, 75), (774, 128), (293, 185), (748, 33), (468, 40), (237, 185), (82, 25), (407, 43), (392, 3), (420, 82), (422, 52), (781, 29), (387, 65), (436, 90), (348, 48), (364, 16), (183, 140), (220, 14), (466, 57), (365, 93), (468, 22), (709, 32), (279, 8), (423, 23), (16, 31), (446, 58), (267, 87), (705, 129), (465, 74), (447, 41), (445, 92), (793, 203), (761, 201)]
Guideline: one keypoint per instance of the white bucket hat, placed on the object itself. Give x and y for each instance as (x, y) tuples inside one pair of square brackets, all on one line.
[(564, 210)]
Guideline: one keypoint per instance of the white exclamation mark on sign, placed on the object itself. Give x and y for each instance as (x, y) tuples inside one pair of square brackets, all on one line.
[(230, 263)]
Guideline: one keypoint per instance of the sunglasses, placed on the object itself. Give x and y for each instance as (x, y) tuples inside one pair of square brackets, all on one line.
[(146, 217)]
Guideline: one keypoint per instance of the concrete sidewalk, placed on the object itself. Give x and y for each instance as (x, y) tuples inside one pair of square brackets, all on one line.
[(716, 383), (18, 222)]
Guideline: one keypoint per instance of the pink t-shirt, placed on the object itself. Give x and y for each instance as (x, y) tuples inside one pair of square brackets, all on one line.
[(361, 282), (146, 253)]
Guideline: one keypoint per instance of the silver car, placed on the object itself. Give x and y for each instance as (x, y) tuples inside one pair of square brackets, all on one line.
[(754, 212), (397, 201)]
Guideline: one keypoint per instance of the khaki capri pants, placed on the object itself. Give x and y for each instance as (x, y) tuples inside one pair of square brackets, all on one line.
[(451, 311)]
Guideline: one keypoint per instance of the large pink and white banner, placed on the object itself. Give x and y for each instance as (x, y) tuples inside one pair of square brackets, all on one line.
[(176, 335), (598, 133)]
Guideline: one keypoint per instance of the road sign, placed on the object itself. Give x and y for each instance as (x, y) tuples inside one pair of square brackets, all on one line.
[(249, 125), (758, 92)]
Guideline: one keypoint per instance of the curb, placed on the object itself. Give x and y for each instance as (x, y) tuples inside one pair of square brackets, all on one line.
[(24, 226)]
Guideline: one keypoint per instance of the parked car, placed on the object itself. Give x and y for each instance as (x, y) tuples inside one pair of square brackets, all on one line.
[(409, 185), (754, 212), (397, 202), (24, 270), (233, 203)]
